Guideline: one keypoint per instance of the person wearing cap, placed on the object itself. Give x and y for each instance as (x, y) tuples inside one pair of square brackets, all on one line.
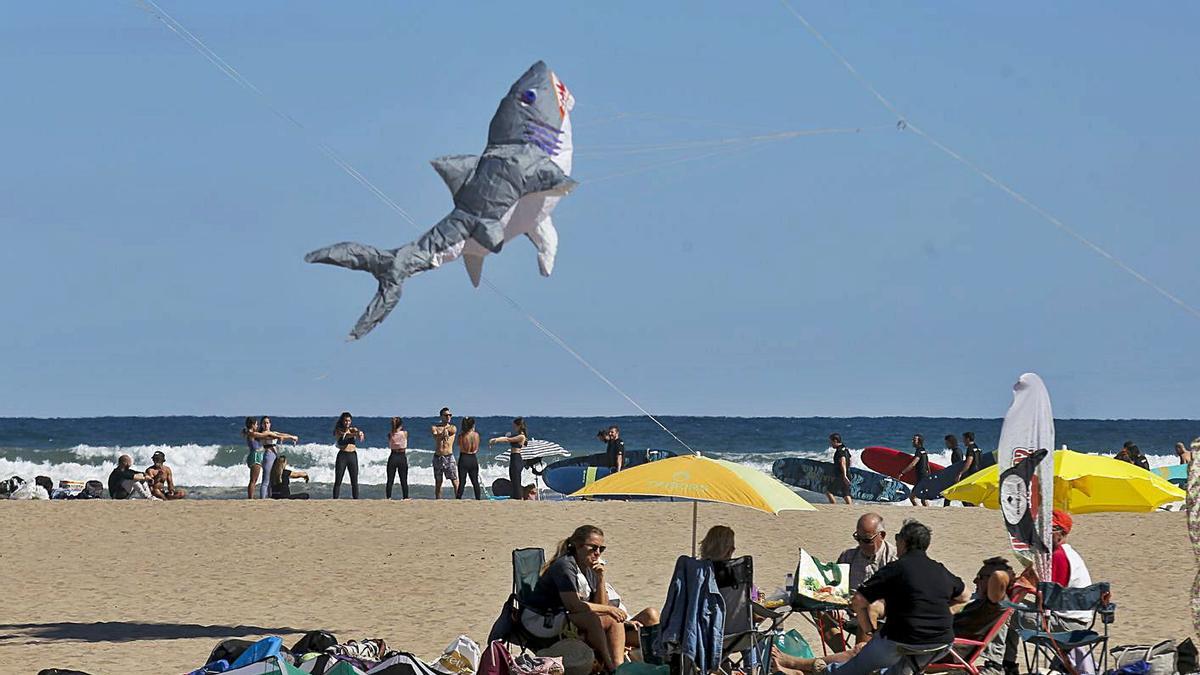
[(1067, 569), (162, 481)]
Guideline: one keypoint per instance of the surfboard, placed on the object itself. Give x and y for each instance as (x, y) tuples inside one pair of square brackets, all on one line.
[(891, 462), (1176, 473), (632, 458), (934, 483), (818, 476), (568, 479)]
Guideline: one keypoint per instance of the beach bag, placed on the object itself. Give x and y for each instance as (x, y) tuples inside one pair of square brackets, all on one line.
[(1160, 657), (495, 660), (93, 489), (1185, 657), (228, 650), (11, 485), (461, 657), (30, 491), (794, 644), (314, 641)]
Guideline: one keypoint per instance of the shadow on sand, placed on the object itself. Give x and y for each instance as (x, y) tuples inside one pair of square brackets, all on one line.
[(126, 631)]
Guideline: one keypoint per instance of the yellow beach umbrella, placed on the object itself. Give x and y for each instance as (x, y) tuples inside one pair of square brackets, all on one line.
[(1082, 484), (700, 479)]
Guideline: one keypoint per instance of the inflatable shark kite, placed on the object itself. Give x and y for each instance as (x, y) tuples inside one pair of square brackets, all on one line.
[(508, 191)]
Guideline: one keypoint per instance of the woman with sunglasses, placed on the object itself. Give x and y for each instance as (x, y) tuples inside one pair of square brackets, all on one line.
[(573, 588)]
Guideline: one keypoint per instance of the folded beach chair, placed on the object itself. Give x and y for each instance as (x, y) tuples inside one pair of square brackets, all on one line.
[(1053, 646), (527, 568), (402, 663), (746, 646)]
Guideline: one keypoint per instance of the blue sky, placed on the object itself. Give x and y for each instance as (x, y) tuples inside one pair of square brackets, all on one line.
[(155, 214)]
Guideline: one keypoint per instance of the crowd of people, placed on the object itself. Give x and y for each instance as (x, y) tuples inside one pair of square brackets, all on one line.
[(903, 602), (968, 459)]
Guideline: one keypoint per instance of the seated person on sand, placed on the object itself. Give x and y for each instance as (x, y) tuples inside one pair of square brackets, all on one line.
[(919, 592), (124, 481), (718, 546), (871, 553), (162, 481), (281, 477), (993, 583), (572, 592)]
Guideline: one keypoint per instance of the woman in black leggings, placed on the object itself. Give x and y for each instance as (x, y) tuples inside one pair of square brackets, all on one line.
[(468, 458), (345, 436), (516, 441), (398, 457)]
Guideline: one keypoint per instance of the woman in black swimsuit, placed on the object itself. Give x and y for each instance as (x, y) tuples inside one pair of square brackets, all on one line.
[(516, 441), (346, 436)]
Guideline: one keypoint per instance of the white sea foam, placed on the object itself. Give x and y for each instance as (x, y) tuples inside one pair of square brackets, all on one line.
[(224, 466)]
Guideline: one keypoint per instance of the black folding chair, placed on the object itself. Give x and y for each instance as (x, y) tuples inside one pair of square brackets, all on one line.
[(746, 646), (527, 569), (1054, 645)]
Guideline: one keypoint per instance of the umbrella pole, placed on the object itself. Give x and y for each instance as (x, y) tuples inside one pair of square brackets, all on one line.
[(695, 508)]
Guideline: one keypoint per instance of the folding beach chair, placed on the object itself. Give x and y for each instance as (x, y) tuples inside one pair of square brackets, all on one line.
[(1054, 646), (917, 658), (964, 652), (527, 568), (746, 646)]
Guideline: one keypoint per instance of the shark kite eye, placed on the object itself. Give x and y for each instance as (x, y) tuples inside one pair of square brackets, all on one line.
[(529, 96)]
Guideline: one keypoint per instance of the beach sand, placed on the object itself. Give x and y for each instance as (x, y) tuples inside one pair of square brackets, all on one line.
[(110, 587)]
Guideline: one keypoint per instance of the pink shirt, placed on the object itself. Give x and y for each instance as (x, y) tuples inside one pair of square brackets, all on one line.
[(398, 441)]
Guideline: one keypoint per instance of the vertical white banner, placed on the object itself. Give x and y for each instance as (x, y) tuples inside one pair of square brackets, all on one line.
[(1029, 427)]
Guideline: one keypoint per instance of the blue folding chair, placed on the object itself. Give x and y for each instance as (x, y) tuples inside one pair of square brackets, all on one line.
[(1053, 645)]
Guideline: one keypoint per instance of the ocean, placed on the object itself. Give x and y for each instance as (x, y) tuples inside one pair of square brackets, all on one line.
[(207, 454)]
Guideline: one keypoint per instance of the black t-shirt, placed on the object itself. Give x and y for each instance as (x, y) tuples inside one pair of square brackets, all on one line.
[(918, 592), (976, 454), (615, 448), (956, 455), (922, 467), (1141, 461), (282, 490), (842, 453), (118, 488), (559, 577)]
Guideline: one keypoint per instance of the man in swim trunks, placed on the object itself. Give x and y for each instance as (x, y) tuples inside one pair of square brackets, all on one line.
[(443, 454), (163, 481)]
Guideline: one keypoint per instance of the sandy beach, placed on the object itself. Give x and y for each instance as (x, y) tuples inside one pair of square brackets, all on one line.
[(116, 587)]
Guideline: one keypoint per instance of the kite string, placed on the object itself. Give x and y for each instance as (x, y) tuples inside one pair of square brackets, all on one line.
[(233, 74), (903, 123)]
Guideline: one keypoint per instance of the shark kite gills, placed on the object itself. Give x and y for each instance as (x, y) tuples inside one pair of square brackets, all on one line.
[(508, 191)]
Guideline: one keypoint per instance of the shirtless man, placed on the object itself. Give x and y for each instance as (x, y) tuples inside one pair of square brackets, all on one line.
[(162, 480), (443, 454)]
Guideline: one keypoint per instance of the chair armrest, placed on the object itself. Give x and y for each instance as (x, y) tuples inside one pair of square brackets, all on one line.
[(964, 642), (1018, 607)]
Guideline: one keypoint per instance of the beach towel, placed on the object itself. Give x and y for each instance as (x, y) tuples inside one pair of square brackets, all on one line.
[(401, 663)]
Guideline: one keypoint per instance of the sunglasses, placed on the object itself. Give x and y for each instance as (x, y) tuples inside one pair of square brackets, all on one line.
[(592, 548), (864, 538)]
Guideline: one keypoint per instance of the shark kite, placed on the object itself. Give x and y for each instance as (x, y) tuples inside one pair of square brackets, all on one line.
[(507, 191)]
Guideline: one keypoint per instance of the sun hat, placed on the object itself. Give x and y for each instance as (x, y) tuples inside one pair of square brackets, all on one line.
[(576, 656), (1063, 521)]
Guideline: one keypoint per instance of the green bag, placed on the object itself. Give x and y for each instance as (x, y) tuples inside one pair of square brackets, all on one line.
[(639, 668), (793, 643)]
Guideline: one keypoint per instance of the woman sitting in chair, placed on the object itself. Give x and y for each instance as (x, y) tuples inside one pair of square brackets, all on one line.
[(572, 588)]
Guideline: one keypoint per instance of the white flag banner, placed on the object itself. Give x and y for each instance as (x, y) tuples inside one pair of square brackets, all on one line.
[(1027, 497)]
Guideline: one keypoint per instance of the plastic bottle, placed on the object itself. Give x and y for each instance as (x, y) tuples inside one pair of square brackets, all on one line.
[(790, 584)]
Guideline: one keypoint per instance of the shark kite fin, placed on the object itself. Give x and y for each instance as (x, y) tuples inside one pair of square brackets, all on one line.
[(455, 169), (545, 239), (474, 265)]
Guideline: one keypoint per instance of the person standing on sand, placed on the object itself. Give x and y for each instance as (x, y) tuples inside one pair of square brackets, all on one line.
[(346, 437), (614, 448), (468, 459), (973, 458), (1123, 454), (839, 486), (269, 444), (443, 455), (920, 464), (397, 464), (1136, 458), (516, 441), (254, 453), (956, 456), (1181, 451)]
